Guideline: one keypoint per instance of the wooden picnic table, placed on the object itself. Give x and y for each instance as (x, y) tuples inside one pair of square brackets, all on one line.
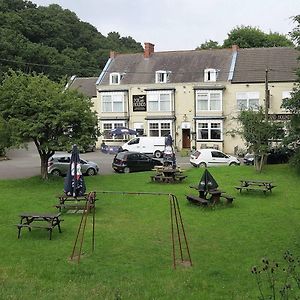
[(255, 185), (167, 174), (39, 220), (210, 197), (76, 203)]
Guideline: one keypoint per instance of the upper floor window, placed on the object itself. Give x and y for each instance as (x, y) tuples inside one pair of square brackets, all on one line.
[(162, 76), (210, 75), (113, 102), (209, 100), (114, 78), (159, 100), (247, 100)]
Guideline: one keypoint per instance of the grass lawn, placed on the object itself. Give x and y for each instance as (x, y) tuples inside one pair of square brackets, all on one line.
[(133, 255)]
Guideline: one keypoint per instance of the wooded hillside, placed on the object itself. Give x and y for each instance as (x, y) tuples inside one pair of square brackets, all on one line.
[(54, 41)]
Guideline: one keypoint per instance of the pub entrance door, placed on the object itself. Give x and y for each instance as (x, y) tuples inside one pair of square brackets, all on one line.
[(186, 138)]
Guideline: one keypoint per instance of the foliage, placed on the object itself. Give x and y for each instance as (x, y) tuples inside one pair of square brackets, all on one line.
[(132, 257), (210, 44), (257, 132), (295, 34), (54, 41), (278, 280), (253, 37), (5, 136), (38, 109), (292, 105)]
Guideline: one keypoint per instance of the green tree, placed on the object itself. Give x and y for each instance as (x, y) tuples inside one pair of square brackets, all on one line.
[(54, 41), (5, 137), (40, 110), (210, 44), (293, 106), (253, 37), (257, 133)]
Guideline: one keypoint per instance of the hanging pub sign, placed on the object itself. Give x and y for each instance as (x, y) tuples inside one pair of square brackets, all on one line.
[(139, 103)]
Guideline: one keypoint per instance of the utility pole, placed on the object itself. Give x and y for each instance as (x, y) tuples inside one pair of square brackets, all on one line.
[(267, 95)]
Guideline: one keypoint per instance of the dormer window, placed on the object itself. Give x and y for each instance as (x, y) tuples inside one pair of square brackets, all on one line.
[(162, 76), (114, 78), (210, 75)]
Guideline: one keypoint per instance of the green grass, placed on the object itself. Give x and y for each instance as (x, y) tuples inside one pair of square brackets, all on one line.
[(133, 256)]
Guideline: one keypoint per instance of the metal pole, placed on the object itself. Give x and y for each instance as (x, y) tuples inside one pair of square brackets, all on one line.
[(177, 227), (267, 95), (172, 232), (183, 231)]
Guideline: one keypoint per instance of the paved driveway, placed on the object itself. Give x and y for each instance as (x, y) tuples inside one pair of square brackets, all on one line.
[(24, 163)]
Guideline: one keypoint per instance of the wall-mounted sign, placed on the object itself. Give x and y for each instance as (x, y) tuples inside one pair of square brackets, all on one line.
[(139, 103), (280, 117), (185, 125)]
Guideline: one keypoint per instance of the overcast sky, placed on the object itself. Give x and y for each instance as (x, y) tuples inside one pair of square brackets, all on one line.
[(181, 24)]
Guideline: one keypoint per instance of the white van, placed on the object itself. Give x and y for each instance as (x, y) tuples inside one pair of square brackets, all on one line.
[(147, 145)]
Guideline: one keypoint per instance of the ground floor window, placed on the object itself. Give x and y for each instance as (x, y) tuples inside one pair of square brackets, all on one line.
[(209, 130), (159, 128), (107, 126)]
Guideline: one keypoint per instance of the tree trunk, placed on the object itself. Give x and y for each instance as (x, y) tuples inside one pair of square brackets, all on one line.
[(44, 167)]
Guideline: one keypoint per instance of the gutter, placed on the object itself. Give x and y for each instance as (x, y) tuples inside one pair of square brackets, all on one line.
[(99, 80), (232, 66)]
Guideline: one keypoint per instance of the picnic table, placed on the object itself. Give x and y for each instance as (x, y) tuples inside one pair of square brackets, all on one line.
[(39, 220), (77, 203), (210, 197), (167, 174), (255, 185)]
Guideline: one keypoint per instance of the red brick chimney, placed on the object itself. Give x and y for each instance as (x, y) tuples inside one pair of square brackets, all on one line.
[(112, 54), (149, 50), (235, 48)]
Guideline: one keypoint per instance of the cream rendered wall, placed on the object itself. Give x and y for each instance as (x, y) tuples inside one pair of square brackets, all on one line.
[(185, 108), (231, 111)]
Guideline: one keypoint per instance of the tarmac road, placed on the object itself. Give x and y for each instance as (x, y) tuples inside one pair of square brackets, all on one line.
[(24, 163)]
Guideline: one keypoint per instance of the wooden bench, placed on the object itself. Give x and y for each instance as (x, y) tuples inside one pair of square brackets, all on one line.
[(197, 200), (253, 188)]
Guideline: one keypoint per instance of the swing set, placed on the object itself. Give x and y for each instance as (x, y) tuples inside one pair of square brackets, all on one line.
[(179, 241)]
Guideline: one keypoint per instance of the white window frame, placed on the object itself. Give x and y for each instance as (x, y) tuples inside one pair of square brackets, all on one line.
[(209, 94), (210, 127), (111, 106), (154, 98), (114, 78), (114, 124), (160, 124), (210, 75), (162, 76), (247, 97)]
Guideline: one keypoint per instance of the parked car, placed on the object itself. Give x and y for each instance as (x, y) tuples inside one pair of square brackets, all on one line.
[(248, 159), (85, 148), (58, 165), (279, 155), (128, 161), (212, 157)]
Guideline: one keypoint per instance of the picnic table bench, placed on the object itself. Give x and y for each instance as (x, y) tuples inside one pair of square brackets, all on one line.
[(167, 174), (39, 220), (211, 197), (76, 203), (255, 185)]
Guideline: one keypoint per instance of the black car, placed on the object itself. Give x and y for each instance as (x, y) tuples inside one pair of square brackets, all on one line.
[(128, 161)]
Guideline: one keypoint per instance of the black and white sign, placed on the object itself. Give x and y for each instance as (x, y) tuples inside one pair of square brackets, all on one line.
[(139, 103)]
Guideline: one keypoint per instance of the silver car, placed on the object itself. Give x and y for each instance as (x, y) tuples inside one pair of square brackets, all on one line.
[(58, 165)]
